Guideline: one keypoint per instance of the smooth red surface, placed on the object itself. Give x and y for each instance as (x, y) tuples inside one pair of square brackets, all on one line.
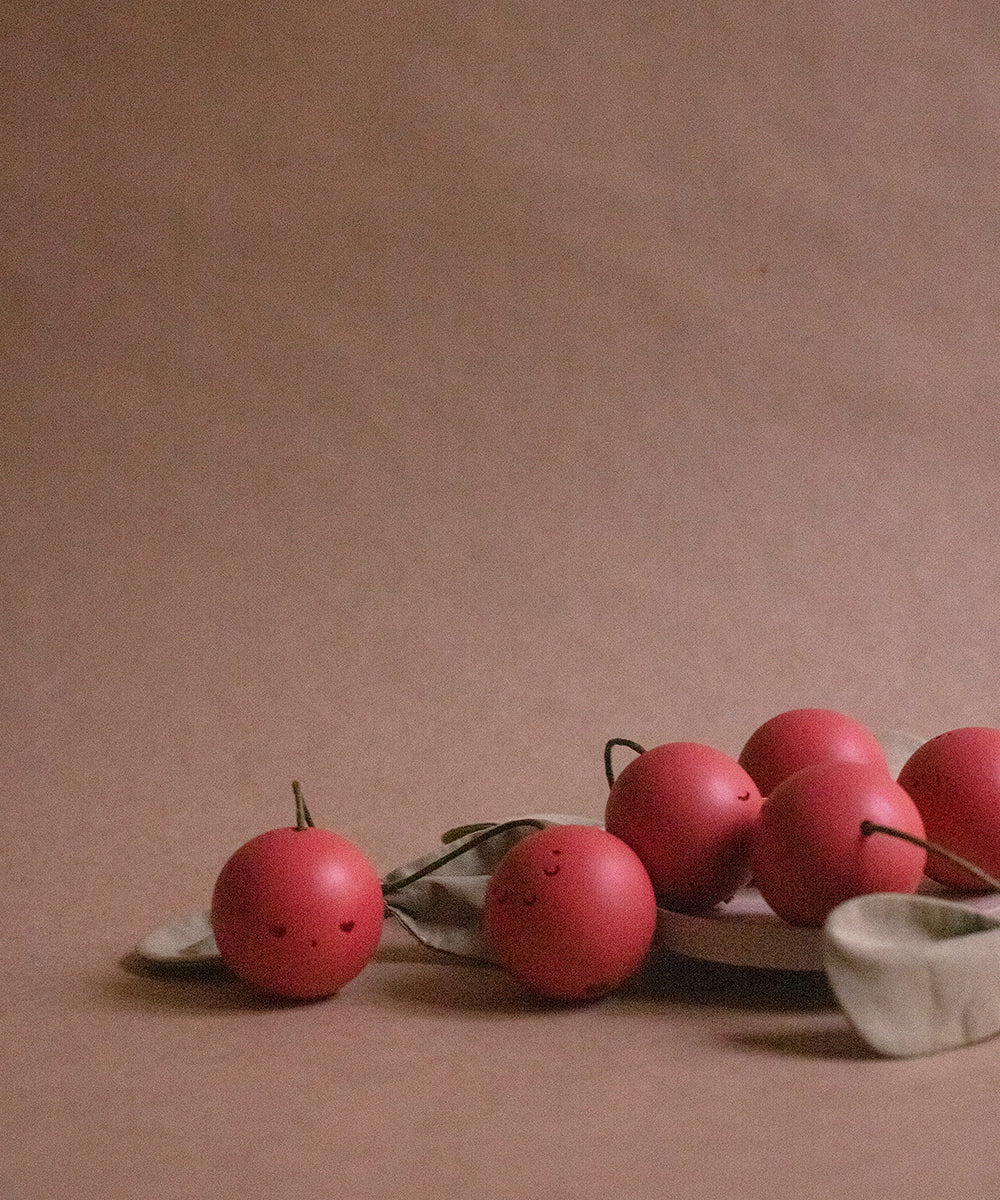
[(802, 737), (954, 780), (570, 912), (807, 851), (687, 811), (297, 912)]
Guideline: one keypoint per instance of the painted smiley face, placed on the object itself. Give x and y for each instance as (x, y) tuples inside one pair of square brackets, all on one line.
[(570, 912), (297, 912)]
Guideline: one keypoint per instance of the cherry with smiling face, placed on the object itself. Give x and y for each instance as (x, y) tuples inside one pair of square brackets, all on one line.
[(687, 811), (570, 912), (297, 912)]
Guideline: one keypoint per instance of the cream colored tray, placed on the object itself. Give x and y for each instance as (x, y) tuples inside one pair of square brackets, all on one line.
[(747, 933)]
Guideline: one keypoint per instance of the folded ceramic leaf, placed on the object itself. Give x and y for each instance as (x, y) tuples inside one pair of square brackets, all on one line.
[(186, 939), (915, 974), (442, 908)]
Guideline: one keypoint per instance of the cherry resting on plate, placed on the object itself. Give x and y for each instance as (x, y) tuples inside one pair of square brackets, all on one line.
[(297, 911), (954, 780), (808, 852), (802, 737), (570, 912), (687, 811)]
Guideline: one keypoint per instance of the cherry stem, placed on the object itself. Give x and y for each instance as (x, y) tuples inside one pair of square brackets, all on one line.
[(303, 820), (483, 835), (869, 827), (607, 755)]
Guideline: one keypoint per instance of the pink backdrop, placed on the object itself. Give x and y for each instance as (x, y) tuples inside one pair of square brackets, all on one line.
[(407, 398)]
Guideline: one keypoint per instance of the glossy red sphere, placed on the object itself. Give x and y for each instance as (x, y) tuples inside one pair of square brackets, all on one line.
[(808, 853), (687, 811), (954, 780), (803, 737), (297, 912), (570, 912)]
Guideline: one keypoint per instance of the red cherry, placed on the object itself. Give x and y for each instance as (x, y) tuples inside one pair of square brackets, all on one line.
[(808, 852), (954, 780), (297, 912), (570, 912), (687, 811), (802, 737)]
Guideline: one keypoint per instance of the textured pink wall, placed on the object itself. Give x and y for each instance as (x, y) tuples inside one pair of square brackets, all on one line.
[(406, 399)]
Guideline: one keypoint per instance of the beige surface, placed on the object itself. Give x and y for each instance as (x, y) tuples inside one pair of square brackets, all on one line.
[(407, 398)]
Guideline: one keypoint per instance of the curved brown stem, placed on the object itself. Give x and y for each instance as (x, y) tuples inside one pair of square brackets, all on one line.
[(869, 827), (483, 835), (607, 755)]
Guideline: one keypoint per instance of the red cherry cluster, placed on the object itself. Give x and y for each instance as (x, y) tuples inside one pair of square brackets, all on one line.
[(809, 812)]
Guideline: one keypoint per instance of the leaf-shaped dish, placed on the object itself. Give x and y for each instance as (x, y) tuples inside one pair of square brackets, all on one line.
[(916, 974), (183, 939)]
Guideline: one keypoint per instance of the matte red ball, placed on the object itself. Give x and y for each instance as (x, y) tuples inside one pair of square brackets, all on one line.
[(570, 912), (297, 912), (808, 853), (687, 811), (803, 737), (954, 780)]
